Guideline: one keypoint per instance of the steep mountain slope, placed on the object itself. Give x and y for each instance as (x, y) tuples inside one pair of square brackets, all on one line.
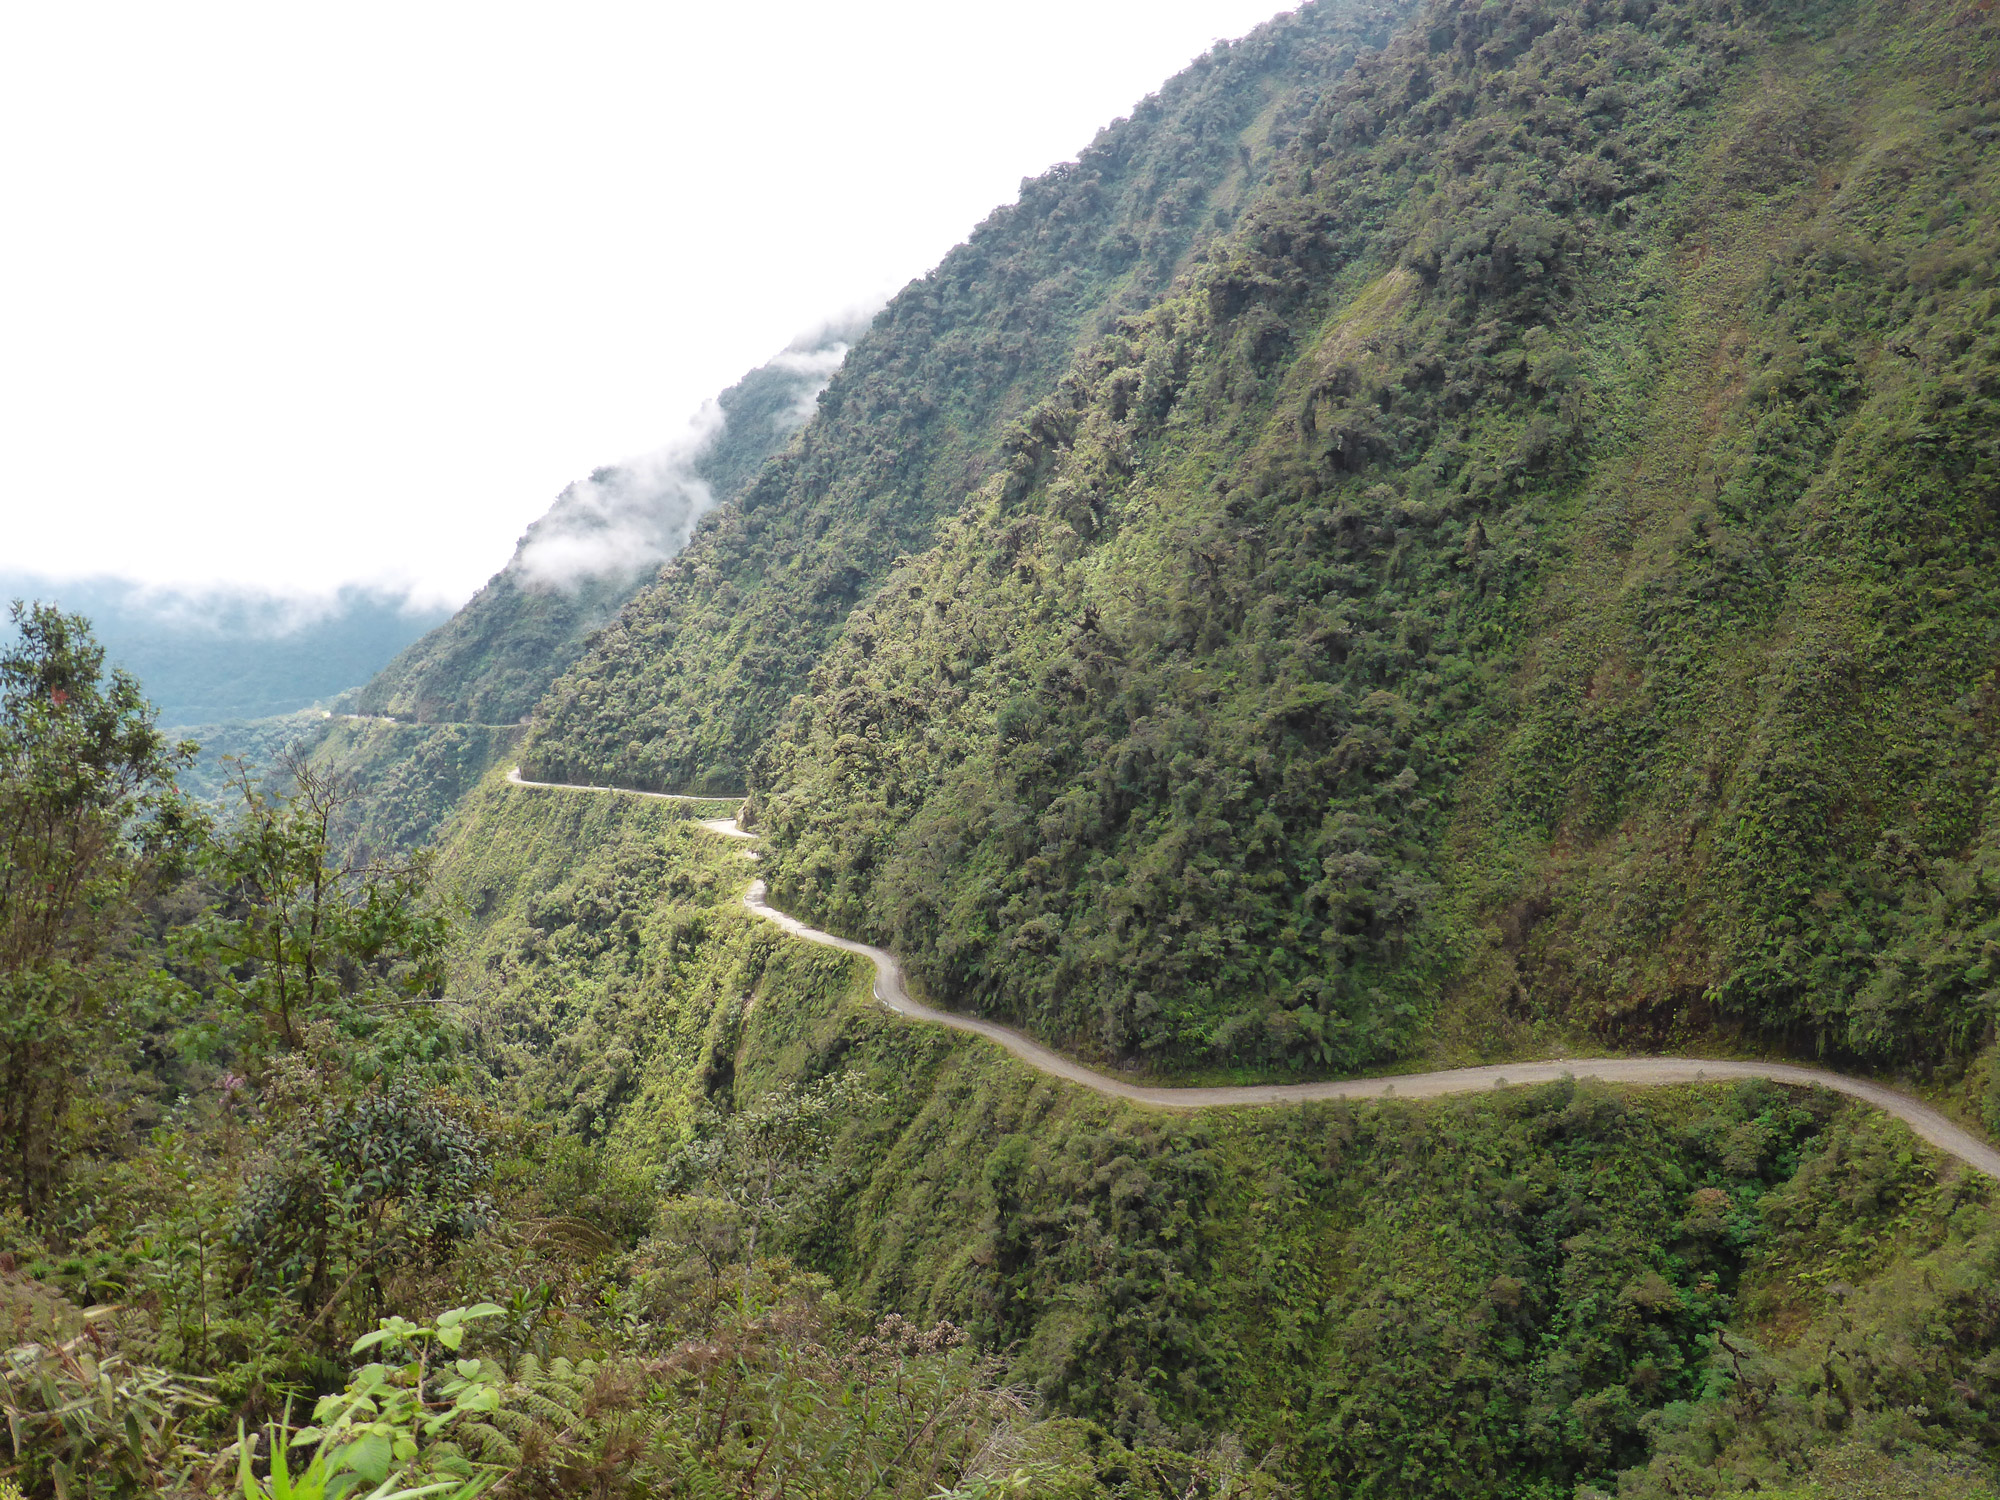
[(599, 544), (1675, 1292), (1429, 613), (408, 778), (694, 675), (1542, 564)]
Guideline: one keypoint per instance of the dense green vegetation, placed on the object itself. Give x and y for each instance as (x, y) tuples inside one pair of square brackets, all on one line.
[(673, 1156), (88, 814), (1538, 564), (1490, 541), (492, 660), (682, 691), (1505, 1295), (411, 776), (248, 1133), (230, 747)]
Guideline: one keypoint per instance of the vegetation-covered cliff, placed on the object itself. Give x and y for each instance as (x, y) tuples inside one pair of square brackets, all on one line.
[(695, 674), (1457, 530), (1523, 1294)]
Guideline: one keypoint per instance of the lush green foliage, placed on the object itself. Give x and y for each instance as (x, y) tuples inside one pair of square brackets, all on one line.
[(682, 691), (639, 1344), (84, 1419), (87, 804), (602, 994), (411, 776), (764, 1165), (1534, 563), (256, 745), (1506, 1295), (355, 1183), (298, 934)]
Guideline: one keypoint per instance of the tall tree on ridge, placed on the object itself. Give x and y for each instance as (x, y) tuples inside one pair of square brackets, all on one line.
[(88, 809)]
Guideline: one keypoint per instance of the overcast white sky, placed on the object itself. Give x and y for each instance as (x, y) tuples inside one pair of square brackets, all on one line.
[(303, 294)]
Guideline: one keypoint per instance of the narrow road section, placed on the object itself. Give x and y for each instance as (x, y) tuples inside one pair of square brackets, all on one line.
[(894, 993)]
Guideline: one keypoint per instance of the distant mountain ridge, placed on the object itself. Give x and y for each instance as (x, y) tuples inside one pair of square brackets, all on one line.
[(214, 655)]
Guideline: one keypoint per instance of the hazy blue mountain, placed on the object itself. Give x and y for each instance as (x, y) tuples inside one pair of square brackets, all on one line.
[(209, 655)]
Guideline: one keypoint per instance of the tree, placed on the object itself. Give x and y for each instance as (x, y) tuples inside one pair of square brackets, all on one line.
[(353, 1183), (772, 1160), (88, 808), (299, 933)]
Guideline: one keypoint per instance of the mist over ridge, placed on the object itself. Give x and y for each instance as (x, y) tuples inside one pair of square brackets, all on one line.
[(602, 540), (628, 517)]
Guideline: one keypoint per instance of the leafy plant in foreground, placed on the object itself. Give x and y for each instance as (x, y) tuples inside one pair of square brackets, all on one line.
[(84, 1421), (382, 1434)]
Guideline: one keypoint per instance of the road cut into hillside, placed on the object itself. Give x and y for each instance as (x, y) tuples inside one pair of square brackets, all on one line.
[(894, 993)]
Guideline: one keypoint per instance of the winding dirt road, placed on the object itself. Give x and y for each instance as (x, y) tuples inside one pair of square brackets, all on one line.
[(892, 992)]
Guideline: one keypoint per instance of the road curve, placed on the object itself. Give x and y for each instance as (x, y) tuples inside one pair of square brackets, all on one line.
[(894, 993)]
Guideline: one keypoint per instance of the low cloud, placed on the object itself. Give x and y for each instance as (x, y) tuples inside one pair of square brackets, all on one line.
[(633, 516), (815, 368), (627, 517), (221, 610)]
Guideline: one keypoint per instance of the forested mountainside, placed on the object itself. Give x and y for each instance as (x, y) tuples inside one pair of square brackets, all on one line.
[(408, 778), (1542, 563), (1506, 563), (693, 677), (601, 542)]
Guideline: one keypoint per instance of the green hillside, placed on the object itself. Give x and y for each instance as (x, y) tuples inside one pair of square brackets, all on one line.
[(1521, 575), (1525, 1294), (1540, 565), (684, 690), (1460, 532), (409, 779)]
